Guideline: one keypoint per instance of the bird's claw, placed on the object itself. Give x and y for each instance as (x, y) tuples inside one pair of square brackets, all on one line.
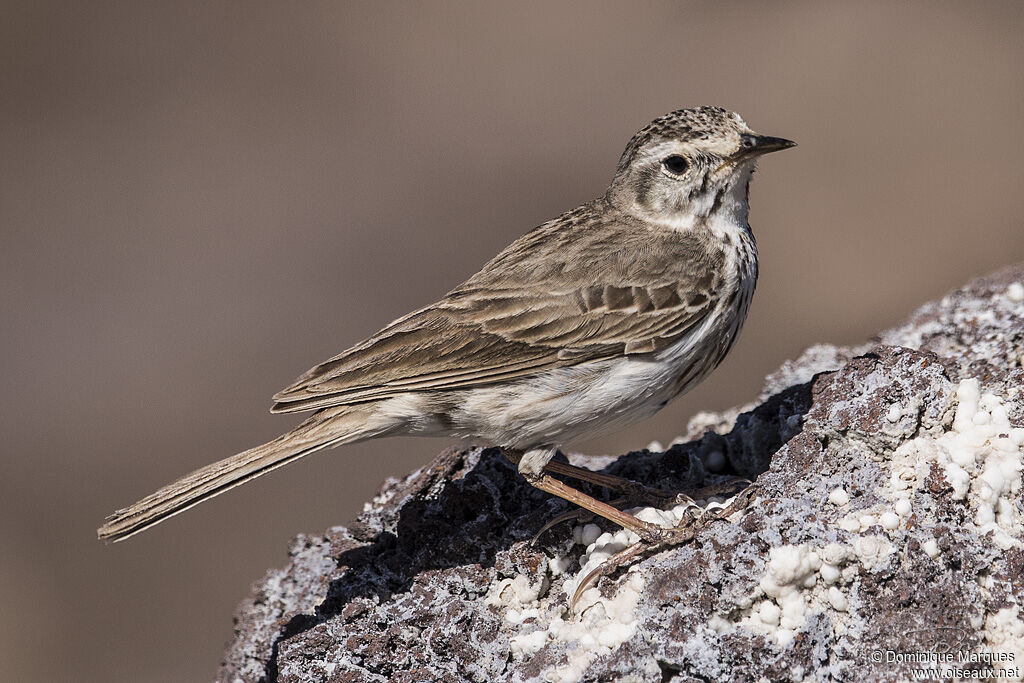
[(619, 559)]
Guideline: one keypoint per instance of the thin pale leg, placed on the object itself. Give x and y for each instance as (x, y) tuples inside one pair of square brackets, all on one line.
[(636, 493), (532, 466), (645, 530), (580, 516), (577, 515), (652, 537), (639, 494)]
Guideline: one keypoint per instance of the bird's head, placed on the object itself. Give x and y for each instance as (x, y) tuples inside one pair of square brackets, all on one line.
[(690, 166)]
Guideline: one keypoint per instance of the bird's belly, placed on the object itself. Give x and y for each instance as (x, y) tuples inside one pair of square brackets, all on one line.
[(581, 401)]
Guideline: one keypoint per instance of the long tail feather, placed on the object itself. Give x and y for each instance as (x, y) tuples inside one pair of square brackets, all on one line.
[(325, 429)]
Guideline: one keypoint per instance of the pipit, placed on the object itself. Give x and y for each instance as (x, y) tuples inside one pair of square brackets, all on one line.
[(585, 324)]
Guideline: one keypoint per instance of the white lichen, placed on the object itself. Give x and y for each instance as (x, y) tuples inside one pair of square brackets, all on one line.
[(889, 520), (902, 507), (872, 551), (799, 581), (981, 456), (837, 599), (598, 624), (518, 597), (790, 570), (1015, 292), (839, 497), (1004, 632)]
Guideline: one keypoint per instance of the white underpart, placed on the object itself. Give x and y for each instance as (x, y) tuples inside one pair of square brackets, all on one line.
[(561, 405)]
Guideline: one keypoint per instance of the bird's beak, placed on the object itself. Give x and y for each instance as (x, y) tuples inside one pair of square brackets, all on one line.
[(752, 145)]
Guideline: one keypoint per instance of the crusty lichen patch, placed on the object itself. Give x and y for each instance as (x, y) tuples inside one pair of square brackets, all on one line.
[(599, 623), (981, 456)]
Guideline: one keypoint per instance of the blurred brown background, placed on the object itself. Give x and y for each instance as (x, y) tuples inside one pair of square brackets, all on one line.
[(198, 201)]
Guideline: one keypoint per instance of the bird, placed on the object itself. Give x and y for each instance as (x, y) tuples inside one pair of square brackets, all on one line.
[(585, 324)]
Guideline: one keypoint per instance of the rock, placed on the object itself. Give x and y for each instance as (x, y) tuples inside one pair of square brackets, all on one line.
[(886, 534)]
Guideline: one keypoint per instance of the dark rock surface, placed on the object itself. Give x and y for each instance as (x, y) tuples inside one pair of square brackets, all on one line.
[(887, 525)]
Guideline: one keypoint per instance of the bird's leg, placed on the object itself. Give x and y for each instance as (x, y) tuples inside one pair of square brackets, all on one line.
[(651, 533), (739, 500), (535, 465), (726, 488), (636, 493), (532, 466)]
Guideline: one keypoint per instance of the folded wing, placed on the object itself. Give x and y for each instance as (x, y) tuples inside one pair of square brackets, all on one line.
[(479, 336)]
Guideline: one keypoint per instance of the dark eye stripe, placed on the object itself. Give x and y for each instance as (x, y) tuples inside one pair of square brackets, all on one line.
[(676, 164)]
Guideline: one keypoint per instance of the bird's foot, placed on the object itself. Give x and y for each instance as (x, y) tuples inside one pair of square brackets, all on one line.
[(726, 488), (654, 538), (651, 537)]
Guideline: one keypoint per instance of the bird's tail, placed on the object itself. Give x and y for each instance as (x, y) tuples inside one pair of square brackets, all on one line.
[(327, 428)]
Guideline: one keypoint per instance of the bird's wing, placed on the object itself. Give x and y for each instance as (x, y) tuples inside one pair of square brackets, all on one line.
[(489, 336), (543, 303)]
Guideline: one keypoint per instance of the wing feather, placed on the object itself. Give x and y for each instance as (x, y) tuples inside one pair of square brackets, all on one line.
[(460, 348)]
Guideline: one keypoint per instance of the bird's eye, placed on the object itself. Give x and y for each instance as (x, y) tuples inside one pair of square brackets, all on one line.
[(675, 164)]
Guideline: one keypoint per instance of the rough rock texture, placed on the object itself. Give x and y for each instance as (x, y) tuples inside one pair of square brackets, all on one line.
[(886, 526)]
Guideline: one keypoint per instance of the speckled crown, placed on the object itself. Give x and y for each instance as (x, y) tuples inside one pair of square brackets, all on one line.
[(699, 123)]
